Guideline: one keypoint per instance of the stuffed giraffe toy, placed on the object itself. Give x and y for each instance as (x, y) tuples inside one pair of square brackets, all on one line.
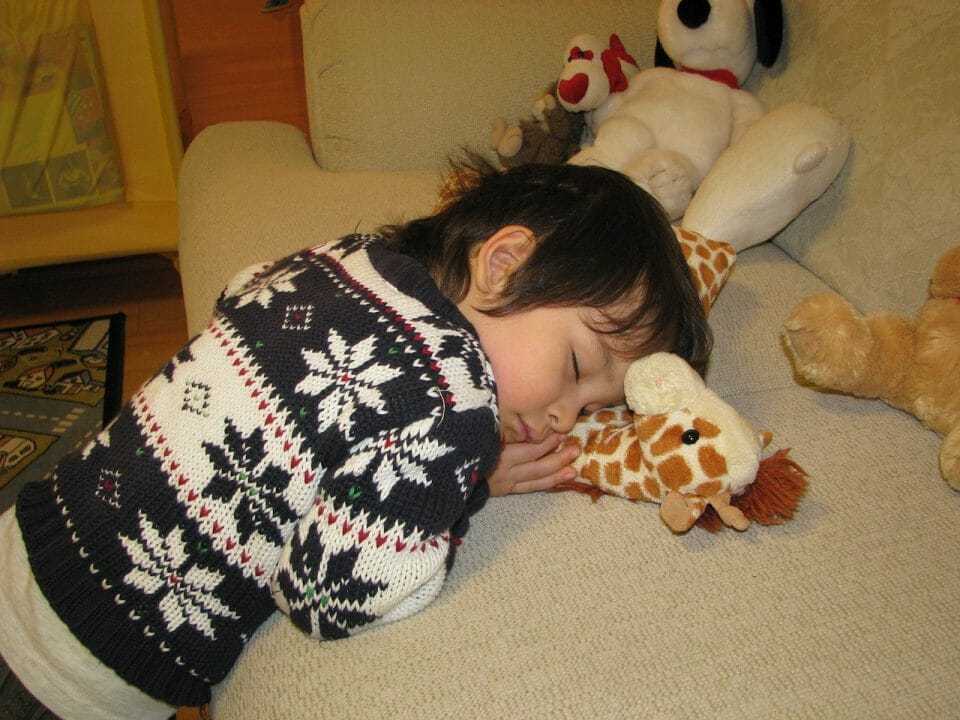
[(679, 444)]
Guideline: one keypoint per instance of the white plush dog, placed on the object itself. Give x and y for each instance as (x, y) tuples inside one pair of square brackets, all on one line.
[(671, 128)]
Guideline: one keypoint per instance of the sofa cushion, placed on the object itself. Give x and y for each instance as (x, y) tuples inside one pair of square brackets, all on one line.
[(558, 607), (378, 101)]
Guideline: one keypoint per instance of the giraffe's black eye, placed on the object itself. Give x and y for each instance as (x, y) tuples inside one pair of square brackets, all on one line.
[(690, 437)]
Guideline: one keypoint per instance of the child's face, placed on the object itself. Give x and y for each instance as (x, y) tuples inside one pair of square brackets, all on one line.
[(549, 366), (549, 363)]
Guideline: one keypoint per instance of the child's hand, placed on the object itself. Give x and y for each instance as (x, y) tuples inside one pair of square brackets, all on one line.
[(529, 467)]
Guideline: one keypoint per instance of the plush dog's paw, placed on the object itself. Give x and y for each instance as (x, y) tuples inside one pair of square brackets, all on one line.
[(497, 129), (830, 342), (667, 176)]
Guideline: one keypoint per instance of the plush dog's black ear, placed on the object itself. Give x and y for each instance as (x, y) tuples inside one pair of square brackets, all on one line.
[(660, 57), (768, 18)]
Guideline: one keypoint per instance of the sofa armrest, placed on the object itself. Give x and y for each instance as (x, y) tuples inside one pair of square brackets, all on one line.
[(251, 191)]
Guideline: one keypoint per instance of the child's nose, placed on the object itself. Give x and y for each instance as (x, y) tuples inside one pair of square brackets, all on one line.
[(563, 415)]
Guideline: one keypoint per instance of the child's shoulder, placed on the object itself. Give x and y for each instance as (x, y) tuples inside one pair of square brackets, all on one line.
[(350, 244)]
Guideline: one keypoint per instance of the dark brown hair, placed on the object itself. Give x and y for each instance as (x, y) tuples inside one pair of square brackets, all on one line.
[(602, 242)]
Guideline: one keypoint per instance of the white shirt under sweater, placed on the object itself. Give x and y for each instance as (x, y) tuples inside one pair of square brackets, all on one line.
[(318, 449), (46, 657)]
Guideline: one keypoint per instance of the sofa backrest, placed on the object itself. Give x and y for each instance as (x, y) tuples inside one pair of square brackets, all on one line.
[(891, 72), (405, 84)]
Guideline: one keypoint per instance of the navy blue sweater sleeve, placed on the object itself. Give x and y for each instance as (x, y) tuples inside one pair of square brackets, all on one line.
[(402, 404)]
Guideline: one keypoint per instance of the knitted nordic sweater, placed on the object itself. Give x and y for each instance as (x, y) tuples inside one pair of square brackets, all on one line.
[(318, 449)]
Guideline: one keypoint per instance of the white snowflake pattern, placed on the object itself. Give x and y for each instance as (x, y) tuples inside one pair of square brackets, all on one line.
[(345, 377), (263, 288), (401, 454), (185, 595)]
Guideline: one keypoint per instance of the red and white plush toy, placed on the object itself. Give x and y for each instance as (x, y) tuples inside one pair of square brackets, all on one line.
[(687, 133)]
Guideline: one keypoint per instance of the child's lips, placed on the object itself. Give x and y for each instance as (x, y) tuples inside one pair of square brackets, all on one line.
[(529, 434)]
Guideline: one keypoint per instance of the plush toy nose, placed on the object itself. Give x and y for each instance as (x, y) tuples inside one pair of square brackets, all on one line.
[(693, 13), (573, 89)]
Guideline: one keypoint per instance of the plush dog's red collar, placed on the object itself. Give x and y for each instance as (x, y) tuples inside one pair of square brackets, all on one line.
[(722, 76)]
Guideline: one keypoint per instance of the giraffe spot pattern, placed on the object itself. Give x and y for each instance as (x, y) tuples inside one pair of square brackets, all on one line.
[(613, 473), (668, 442), (605, 416), (675, 472), (712, 462), (633, 459), (709, 262), (644, 457), (591, 472), (651, 487), (721, 263), (604, 442), (649, 426), (706, 428), (709, 489), (707, 275)]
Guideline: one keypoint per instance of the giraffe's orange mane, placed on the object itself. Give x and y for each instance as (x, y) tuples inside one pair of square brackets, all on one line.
[(770, 499)]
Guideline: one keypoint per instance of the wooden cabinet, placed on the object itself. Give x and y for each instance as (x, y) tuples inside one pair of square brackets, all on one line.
[(171, 67)]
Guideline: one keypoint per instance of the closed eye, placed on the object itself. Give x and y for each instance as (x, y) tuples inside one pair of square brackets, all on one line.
[(576, 366)]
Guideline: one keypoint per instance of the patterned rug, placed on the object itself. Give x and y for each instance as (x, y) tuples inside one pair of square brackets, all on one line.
[(60, 383)]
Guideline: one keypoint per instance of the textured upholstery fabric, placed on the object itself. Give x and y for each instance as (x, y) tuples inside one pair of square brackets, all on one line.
[(380, 73), (503, 53), (559, 608), (889, 70), (250, 192)]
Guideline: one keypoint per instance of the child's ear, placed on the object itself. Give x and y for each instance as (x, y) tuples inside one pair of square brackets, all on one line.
[(500, 255)]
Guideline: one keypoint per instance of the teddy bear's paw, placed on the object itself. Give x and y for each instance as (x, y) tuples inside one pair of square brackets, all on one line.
[(950, 458), (544, 105), (510, 142), (497, 128), (666, 176), (945, 282), (830, 342)]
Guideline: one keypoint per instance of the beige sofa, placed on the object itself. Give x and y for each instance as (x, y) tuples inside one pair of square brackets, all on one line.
[(561, 608)]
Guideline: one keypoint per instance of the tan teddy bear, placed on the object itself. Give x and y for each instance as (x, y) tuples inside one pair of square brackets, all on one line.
[(910, 363)]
